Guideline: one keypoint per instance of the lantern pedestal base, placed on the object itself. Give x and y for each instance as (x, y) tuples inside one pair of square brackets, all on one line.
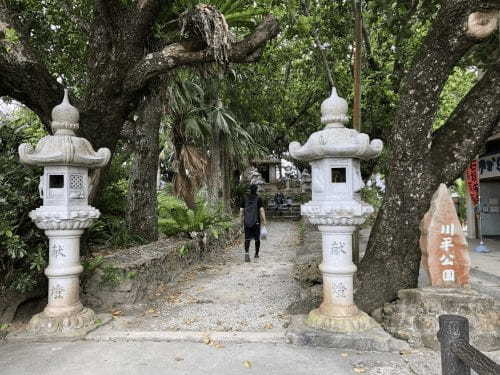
[(341, 324), (40, 331), (64, 324), (372, 340)]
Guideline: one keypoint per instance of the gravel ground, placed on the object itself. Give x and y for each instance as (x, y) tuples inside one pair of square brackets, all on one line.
[(226, 294)]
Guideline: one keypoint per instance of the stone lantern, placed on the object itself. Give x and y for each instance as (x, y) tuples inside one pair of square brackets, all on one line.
[(336, 207), (64, 215)]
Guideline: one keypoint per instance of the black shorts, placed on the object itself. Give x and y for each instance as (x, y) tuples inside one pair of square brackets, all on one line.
[(252, 233)]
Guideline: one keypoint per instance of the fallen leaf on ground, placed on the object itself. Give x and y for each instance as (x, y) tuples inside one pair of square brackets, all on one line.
[(219, 346), (247, 364), (268, 326), (178, 359), (359, 370), (344, 355), (206, 340), (151, 311), (116, 312)]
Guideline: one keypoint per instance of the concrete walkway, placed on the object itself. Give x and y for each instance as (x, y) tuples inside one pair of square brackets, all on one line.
[(169, 358), (176, 358), (485, 267)]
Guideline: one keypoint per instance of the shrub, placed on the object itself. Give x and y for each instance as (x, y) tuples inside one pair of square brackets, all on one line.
[(112, 198), (111, 232), (23, 247), (176, 218)]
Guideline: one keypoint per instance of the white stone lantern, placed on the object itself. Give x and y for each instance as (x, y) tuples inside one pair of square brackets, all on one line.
[(64, 215), (336, 207)]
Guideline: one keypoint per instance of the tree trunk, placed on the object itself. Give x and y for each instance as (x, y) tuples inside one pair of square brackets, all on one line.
[(215, 177), (142, 215), (392, 258), (421, 159), (227, 176)]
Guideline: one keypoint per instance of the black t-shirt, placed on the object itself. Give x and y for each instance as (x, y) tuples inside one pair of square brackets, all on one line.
[(259, 205), (259, 202)]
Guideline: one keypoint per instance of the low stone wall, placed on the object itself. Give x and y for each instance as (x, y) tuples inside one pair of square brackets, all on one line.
[(10, 302), (125, 277), (415, 316), (309, 256)]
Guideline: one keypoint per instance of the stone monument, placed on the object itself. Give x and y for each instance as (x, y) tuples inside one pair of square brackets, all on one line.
[(336, 207), (443, 285), (64, 215), (445, 256)]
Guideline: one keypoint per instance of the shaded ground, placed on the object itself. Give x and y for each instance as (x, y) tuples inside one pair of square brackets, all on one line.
[(225, 294)]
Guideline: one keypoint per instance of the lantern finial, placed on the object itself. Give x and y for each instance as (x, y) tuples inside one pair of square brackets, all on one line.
[(334, 111), (65, 117)]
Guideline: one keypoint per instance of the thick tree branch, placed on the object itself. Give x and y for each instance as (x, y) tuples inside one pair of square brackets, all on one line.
[(22, 76), (457, 142), (446, 43), (176, 55)]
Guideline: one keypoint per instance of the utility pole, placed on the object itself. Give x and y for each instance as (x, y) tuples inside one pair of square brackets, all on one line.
[(358, 54), (356, 110)]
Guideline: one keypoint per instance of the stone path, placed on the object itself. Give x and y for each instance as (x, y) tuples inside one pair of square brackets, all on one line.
[(225, 294), (223, 317)]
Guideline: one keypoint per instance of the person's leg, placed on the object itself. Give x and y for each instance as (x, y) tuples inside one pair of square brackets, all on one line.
[(257, 248), (247, 250)]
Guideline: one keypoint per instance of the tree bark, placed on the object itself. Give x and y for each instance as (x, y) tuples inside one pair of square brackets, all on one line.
[(419, 159), (142, 216), (227, 182), (215, 179)]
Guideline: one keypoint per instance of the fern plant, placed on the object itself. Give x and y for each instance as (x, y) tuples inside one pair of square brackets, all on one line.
[(176, 218)]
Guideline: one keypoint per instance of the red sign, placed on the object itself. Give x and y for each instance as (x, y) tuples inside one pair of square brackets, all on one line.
[(473, 182)]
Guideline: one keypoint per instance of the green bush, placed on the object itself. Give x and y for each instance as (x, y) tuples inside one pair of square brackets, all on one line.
[(111, 232), (23, 247), (112, 198), (174, 217), (373, 196)]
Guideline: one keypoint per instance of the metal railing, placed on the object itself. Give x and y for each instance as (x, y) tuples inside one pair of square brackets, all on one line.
[(458, 357)]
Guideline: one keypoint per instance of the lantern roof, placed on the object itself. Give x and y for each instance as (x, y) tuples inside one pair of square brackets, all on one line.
[(335, 140), (64, 147)]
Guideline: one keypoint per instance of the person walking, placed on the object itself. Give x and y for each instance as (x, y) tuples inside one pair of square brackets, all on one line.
[(252, 215)]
